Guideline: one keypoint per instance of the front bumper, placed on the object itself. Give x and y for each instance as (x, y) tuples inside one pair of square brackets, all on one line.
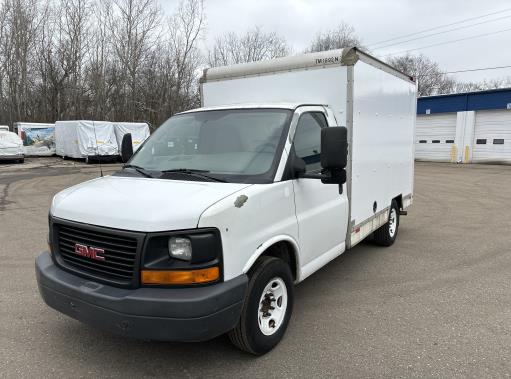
[(166, 314)]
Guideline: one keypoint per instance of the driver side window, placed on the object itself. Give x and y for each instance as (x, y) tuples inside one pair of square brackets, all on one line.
[(307, 141)]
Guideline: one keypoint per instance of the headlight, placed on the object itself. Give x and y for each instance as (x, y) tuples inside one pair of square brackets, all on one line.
[(184, 257), (180, 248)]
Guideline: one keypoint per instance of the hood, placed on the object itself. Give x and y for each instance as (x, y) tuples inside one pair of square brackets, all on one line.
[(140, 204)]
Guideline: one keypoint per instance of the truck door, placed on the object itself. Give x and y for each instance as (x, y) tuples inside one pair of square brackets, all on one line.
[(322, 213)]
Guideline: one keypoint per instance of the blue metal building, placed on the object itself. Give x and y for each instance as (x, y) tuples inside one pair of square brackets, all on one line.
[(465, 127), (463, 102)]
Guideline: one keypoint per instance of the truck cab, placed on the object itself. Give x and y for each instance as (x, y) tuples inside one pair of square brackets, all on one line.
[(208, 226)]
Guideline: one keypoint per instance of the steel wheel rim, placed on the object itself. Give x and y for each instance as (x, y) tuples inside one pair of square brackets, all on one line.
[(272, 306), (392, 222)]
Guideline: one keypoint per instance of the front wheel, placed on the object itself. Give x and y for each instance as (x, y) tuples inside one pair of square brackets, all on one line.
[(386, 235), (267, 307)]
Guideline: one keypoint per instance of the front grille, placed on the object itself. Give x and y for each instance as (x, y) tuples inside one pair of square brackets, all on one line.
[(121, 252)]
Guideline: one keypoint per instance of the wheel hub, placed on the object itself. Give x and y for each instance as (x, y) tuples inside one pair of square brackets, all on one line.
[(272, 306), (392, 222)]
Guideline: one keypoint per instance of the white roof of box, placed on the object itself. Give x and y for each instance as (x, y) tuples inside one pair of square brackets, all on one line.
[(340, 57)]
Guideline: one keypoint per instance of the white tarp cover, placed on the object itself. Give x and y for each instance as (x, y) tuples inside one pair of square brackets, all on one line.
[(38, 139), (139, 132), (80, 139), (10, 144)]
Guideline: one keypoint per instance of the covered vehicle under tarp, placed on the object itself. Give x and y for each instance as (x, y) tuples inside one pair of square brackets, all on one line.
[(11, 146), (38, 139), (82, 139), (139, 133)]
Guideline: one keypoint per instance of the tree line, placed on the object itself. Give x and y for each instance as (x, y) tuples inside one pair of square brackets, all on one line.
[(104, 60), (125, 60)]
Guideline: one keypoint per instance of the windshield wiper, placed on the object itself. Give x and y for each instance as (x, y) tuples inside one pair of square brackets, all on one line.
[(193, 172), (138, 169)]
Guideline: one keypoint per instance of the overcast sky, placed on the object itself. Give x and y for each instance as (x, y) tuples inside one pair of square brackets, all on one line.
[(376, 20)]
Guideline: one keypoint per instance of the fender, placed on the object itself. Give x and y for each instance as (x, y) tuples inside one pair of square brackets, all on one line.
[(272, 241)]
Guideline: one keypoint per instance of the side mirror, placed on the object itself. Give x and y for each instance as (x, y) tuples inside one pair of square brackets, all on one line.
[(126, 147), (334, 148), (334, 155)]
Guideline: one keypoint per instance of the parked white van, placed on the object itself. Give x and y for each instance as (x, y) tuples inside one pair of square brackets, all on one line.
[(224, 208)]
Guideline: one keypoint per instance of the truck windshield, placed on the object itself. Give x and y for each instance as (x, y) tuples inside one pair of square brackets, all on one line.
[(232, 145)]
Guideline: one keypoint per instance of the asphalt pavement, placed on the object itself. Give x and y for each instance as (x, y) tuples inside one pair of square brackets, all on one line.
[(436, 304)]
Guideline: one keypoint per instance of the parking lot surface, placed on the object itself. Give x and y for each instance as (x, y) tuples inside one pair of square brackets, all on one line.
[(436, 304)]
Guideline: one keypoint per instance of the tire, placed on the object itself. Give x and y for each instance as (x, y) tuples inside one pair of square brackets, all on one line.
[(270, 275), (21, 160), (386, 235)]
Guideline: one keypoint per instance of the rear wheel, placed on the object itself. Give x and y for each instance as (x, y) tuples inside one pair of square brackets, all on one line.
[(267, 307), (387, 234)]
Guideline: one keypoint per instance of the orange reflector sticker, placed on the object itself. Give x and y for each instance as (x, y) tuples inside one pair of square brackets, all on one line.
[(181, 277)]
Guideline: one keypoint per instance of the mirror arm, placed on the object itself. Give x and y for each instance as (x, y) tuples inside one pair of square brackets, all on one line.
[(313, 176), (323, 177)]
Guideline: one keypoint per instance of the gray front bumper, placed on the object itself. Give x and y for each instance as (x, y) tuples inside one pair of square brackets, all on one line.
[(167, 314)]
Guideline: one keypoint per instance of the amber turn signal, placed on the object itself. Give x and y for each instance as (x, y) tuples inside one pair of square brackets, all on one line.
[(205, 275)]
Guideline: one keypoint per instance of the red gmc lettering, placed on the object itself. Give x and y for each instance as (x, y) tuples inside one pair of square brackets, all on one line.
[(89, 252)]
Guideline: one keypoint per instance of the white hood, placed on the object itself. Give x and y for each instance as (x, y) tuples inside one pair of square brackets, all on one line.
[(140, 204)]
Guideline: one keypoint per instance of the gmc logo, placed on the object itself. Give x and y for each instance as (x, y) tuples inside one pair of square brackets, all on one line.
[(90, 252)]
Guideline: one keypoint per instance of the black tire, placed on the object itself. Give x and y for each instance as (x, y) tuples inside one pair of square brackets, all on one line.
[(247, 335), (384, 236), (21, 160)]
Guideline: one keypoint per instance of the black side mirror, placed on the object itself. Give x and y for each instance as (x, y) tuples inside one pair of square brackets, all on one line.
[(334, 155), (126, 147), (334, 148)]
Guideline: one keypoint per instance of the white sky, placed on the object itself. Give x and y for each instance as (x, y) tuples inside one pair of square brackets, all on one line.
[(298, 21)]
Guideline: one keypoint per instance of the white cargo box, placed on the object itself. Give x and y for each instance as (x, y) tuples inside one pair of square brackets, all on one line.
[(82, 139), (139, 133), (376, 103), (38, 138)]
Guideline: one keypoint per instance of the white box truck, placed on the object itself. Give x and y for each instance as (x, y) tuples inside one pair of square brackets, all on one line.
[(210, 224), (85, 139)]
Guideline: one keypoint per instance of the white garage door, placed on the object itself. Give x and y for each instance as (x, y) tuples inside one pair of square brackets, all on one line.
[(492, 136), (434, 137)]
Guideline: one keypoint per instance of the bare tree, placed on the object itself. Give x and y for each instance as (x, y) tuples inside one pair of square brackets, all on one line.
[(20, 20), (484, 85), (342, 36), (62, 52), (134, 30), (185, 29), (254, 45), (430, 78), (97, 82)]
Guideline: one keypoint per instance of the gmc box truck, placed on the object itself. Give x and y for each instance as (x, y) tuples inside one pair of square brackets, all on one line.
[(214, 219)]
